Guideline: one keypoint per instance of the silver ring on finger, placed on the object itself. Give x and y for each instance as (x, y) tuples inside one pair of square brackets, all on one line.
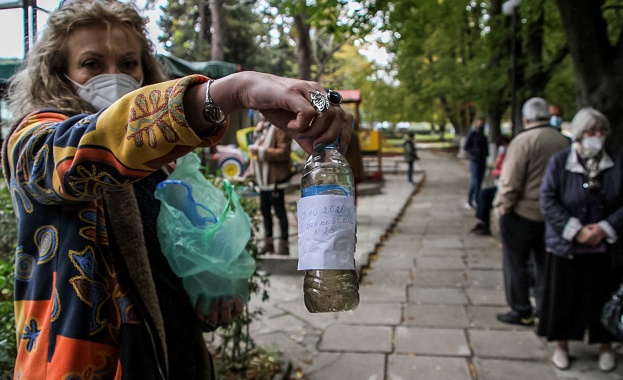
[(319, 101), (334, 97)]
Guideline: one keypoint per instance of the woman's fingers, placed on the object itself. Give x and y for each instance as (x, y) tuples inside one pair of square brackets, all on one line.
[(301, 108)]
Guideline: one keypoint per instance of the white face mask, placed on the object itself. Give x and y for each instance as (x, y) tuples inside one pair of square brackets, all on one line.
[(103, 90), (591, 145)]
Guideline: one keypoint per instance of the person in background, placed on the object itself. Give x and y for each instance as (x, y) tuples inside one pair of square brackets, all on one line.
[(522, 227), (485, 201), (477, 148), (272, 166), (556, 117), (582, 202), (410, 154), (94, 131)]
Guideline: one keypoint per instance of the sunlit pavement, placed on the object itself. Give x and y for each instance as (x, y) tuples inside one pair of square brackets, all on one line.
[(429, 294)]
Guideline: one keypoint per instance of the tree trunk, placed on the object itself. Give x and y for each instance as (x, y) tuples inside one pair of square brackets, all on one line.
[(303, 46), (597, 63), (497, 102), (216, 12)]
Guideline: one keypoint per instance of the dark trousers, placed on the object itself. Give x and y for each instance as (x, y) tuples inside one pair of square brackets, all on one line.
[(477, 170), (522, 240), (410, 171), (276, 199), (485, 202)]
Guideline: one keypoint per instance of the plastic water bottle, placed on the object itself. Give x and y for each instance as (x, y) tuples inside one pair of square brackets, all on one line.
[(327, 233)]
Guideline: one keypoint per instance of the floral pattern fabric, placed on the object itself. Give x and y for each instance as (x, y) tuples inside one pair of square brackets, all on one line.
[(72, 295)]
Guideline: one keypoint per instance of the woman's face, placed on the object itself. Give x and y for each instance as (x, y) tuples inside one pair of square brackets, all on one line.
[(596, 129), (94, 50)]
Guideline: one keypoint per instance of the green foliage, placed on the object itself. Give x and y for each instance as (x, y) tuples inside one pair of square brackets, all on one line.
[(184, 34), (8, 225), (8, 344), (441, 52), (237, 353), (8, 348)]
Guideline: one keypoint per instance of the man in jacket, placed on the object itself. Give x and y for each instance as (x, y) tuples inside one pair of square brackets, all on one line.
[(522, 226), (477, 148)]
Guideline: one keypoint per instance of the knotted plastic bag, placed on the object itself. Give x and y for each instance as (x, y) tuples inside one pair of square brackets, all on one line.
[(203, 234)]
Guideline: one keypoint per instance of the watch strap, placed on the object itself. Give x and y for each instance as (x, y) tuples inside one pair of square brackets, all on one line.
[(211, 112)]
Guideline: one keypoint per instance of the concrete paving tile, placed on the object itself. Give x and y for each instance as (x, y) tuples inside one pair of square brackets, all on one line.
[(484, 317), (439, 279), (485, 279), (408, 243), (382, 292), (373, 313), (408, 229), (347, 366), (450, 242), (402, 367), (285, 322), (507, 344), (352, 338), (436, 316), (452, 296), (444, 235), (393, 262), (445, 342), (492, 369), (396, 252), (447, 214), (484, 263), (387, 277), (441, 253), (288, 348), (318, 320), (418, 204), (440, 263), (473, 241), (486, 297)]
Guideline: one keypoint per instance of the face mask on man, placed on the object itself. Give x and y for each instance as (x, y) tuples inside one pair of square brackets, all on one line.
[(555, 121), (103, 90), (592, 145)]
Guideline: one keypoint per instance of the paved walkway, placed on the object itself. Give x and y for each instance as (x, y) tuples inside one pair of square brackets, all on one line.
[(429, 294)]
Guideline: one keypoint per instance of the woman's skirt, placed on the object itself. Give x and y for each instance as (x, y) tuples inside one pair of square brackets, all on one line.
[(575, 291)]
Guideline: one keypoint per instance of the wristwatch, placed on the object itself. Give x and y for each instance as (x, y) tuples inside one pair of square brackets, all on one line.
[(211, 112)]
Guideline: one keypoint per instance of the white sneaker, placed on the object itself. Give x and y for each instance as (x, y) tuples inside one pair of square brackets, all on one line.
[(468, 206), (560, 359), (607, 361)]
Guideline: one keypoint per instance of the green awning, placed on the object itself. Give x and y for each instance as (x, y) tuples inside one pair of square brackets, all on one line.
[(7, 68), (177, 67)]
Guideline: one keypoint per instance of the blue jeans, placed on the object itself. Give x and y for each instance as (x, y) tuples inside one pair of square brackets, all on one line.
[(410, 171), (477, 170)]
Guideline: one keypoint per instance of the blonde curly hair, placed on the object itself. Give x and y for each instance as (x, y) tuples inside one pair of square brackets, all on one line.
[(41, 81)]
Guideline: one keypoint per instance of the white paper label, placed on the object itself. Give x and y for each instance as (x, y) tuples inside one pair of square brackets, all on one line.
[(326, 232)]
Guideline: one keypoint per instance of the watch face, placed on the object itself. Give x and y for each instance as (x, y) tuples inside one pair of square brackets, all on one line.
[(214, 114)]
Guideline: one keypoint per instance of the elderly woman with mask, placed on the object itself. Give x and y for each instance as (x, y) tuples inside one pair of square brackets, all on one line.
[(582, 202)]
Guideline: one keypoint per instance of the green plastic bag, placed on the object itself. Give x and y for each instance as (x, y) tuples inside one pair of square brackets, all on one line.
[(203, 234)]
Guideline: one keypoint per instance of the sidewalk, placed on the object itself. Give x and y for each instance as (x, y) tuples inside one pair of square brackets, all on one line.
[(429, 294)]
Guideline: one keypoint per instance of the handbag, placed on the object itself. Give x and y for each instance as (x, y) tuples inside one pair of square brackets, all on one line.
[(203, 234), (612, 312)]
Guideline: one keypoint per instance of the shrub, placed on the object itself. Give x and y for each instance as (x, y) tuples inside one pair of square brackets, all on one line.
[(8, 348)]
